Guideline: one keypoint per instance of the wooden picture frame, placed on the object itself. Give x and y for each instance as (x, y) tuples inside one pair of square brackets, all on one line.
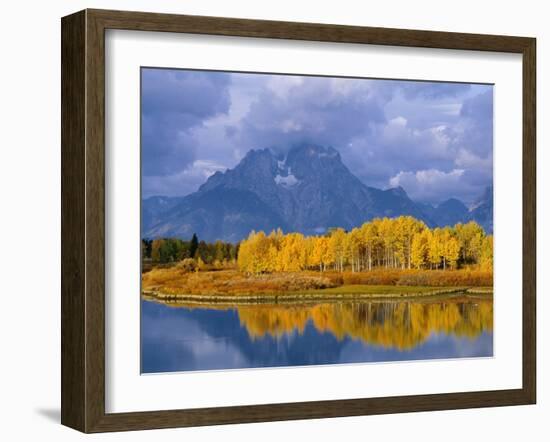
[(83, 219)]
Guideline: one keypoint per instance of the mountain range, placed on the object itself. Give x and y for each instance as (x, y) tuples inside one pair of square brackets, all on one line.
[(309, 191)]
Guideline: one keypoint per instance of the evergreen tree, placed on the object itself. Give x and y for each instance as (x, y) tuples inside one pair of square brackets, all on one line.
[(193, 245)]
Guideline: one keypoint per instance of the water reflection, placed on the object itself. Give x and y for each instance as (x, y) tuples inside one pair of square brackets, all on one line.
[(202, 337)]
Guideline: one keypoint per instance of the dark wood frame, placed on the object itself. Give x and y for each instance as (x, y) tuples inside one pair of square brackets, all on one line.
[(83, 217)]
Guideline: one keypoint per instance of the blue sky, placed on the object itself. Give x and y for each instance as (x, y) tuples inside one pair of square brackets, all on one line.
[(433, 139)]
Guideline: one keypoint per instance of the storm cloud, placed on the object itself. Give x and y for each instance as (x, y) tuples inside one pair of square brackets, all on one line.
[(173, 103), (434, 139)]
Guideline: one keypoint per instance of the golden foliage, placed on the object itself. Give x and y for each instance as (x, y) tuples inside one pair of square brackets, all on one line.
[(391, 243)]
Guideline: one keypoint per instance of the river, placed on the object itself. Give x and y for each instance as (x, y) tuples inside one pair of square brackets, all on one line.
[(180, 337)]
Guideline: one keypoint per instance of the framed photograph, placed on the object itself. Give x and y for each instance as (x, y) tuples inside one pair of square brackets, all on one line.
[(269, 220)]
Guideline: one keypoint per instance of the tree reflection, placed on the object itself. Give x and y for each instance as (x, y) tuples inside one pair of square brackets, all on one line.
[(391, 324)]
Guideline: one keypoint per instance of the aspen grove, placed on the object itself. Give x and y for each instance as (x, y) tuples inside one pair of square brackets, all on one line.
[(392, 243)]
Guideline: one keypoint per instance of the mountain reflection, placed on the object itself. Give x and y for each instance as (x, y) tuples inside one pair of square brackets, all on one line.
[(393, 324)]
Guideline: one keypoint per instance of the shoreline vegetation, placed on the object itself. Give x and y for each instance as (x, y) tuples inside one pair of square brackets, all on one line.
[(234, 286), (384, 258), (222, 303), (378, 293)]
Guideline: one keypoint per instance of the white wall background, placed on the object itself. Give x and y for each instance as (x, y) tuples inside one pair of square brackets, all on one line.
[(30, 221)]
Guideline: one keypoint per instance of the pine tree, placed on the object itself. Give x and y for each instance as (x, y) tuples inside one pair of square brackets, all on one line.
[(193, 245)]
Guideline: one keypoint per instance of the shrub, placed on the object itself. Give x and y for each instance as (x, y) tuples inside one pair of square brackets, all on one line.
[(406, 277), (441, 278), (187, 265), (373, 277)]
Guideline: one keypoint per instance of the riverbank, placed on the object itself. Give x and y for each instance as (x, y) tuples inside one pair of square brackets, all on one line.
[(230, 284), (343, 293)]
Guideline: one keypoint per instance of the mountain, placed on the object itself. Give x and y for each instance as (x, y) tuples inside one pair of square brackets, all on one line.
[(228, 214), (154, 208), (450, 212), (482, 210), (453, 211), (309, 191)]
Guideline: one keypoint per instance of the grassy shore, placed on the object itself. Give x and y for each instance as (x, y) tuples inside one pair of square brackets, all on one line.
[(232, 285), (354, 292)]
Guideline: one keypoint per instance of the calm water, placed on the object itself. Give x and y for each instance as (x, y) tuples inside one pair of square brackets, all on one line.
[(177, 337)]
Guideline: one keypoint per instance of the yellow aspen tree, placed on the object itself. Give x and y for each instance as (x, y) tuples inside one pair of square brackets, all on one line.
[(327, 256), (353, 244), (486, 258), (397, 248), (370, 241), (420, 248), (470, 236), (387, 235), (316, 258), (452, 251), (449, 248), (306, 247), (435, 251), (337, 245)]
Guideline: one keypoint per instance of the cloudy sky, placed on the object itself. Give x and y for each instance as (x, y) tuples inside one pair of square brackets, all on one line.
[(433, 139)]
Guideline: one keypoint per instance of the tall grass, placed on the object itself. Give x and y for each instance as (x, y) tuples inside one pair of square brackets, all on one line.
[(175, 280), (433, 278)]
